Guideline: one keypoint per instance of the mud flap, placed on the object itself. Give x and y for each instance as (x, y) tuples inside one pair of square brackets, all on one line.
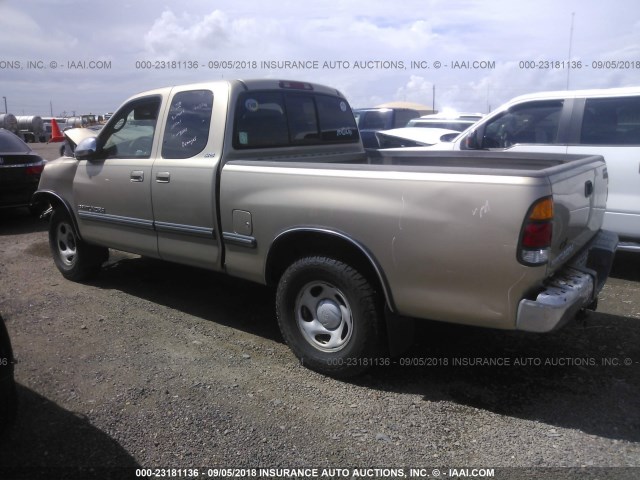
[(600, 259)]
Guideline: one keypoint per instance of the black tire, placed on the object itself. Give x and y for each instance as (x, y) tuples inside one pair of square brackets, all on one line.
[(329, 316), (75, 259)]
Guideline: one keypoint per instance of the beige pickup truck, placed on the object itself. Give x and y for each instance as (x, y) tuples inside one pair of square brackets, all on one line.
[(268, 181)]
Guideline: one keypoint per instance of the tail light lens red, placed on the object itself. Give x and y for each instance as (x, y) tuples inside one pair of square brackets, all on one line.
[(537, 233), (35, 169)]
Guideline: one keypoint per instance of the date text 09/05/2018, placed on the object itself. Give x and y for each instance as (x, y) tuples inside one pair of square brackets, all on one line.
[(579, 65)]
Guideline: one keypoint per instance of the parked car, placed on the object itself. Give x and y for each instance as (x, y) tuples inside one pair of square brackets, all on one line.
[(20, 169), (372, 120), (595, 122), (414, 137), (457, 121), (8, 396)]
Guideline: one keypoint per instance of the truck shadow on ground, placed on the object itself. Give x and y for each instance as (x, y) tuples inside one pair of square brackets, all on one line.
[(47, 441), (577, 377), (208, 295), (584, 376), (626, 266)]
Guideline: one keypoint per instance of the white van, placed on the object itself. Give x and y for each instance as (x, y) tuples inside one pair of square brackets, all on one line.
[(601, 122)]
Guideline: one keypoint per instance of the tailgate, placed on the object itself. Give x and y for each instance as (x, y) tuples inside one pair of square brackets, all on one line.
[(580, 195)]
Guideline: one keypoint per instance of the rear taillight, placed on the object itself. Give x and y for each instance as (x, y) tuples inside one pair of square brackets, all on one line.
[(34, 169), (537, 232)]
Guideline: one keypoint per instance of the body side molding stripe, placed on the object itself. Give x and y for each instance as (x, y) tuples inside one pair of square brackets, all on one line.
[(240, 240), (161, 227), (166, 227), (117, 220)]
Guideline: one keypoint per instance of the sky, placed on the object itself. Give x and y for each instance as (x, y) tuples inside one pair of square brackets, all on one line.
[(69, 56)]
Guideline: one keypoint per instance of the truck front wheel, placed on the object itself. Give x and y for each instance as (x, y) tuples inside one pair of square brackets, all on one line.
[(75, 259), (329, 316)]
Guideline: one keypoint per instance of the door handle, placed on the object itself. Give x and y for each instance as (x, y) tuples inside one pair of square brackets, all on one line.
[(137, 176), (588, 188), (163, 177)]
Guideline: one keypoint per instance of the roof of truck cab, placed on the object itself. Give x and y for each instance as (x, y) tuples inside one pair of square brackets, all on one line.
[(596, 92), (249, 85)]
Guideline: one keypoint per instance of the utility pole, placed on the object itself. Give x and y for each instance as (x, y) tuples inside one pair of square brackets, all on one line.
[(488, 102), (573, 14), (5, 105), (433, 105), (51, 107)]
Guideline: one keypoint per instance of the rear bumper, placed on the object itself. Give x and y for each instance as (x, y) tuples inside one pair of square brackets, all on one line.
[(19, 196), (628, 246), (573, 288)]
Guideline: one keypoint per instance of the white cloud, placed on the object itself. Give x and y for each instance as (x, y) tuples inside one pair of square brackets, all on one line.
[(22, 35), (496, 30), (189, 36), (364, 35), (171, 36)]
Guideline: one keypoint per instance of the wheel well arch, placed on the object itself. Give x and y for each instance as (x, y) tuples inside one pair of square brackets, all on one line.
[(295, 244), (56, 201)]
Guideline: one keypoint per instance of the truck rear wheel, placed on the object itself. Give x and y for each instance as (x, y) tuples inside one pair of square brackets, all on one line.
[(75, 259), (329, 316)]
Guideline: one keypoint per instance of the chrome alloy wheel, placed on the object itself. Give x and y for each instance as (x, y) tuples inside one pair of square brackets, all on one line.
[(324, 316), (66, 243)]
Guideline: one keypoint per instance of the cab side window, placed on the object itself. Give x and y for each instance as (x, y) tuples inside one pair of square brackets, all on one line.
[(611, 121), (187, 130), (130, 133), (530, 123)]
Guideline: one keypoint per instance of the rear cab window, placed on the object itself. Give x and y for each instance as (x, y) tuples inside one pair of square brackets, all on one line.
[(375, 120), (611, 121), (404, 116), (269, 119)]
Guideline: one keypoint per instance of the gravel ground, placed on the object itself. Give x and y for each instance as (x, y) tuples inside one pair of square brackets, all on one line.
[(154, 365)]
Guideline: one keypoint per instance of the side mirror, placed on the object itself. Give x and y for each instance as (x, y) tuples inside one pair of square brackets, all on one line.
[(473, 141), (86, 149), (449, 137)]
